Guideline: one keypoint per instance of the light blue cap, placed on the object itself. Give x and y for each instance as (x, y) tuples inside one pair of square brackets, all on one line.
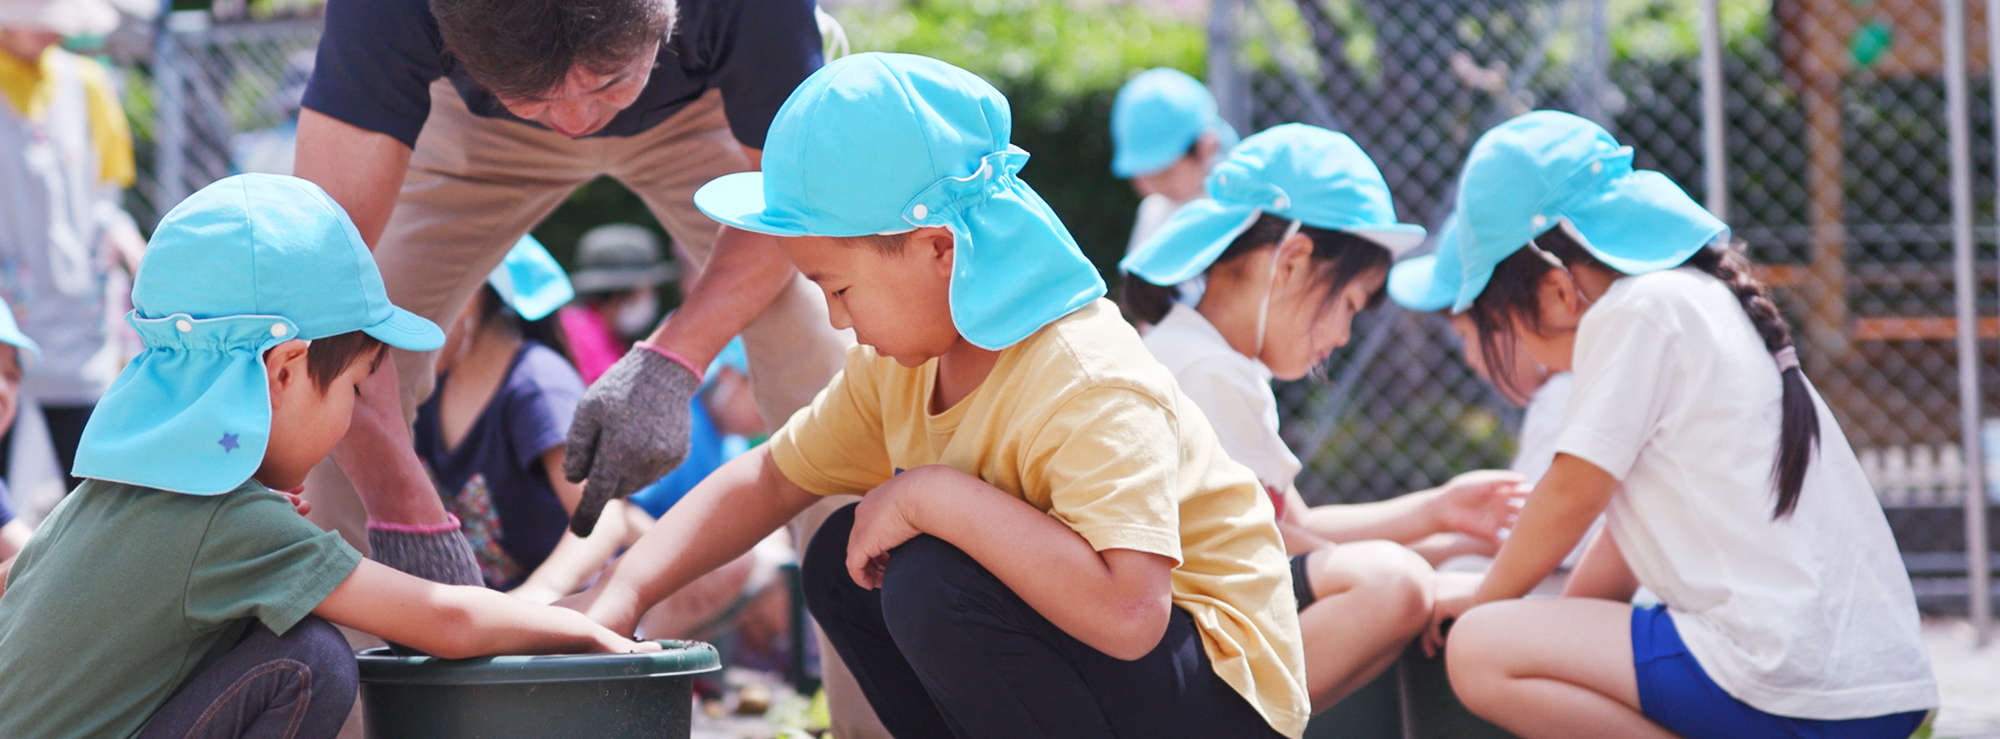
[(1543, 169), (1429, 282), (1295, 171), (530, 281), (885, 143), (1157, 117), (239, 267), (10, 333)]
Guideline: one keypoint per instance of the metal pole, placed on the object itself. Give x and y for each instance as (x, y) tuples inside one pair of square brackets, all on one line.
[(1225, 77), (1979, 567), (1714, 157), (1965, 286)]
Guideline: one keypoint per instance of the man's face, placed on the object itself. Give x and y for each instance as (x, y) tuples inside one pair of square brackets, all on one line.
[(586, 101)]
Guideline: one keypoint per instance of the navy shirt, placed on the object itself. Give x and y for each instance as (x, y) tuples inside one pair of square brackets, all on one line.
[(6, 511), (378, 58), (494, 480)]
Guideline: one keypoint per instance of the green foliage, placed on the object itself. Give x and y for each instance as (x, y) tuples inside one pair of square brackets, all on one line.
[(1060, 66)]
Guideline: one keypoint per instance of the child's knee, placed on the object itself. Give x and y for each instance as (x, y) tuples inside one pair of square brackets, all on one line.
[(1388, 575), (930, 586), (328, 655), (1474, 655)]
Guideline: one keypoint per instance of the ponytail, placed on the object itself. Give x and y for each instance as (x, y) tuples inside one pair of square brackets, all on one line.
[(1145, 302), (1511, 295), (1798, 437)]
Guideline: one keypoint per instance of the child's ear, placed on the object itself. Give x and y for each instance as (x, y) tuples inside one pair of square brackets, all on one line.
[(1294, 255), (935, 243), (1561, 301), (285, 366)]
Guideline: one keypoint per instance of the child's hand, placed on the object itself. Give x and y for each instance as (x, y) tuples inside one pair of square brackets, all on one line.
[(296, 496), (609, 642), (1480, 503), (1455, 595), (883, 522)]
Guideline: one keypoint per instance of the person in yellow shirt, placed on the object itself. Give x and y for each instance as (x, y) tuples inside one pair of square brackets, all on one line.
[(65, 159), (1051, 541)]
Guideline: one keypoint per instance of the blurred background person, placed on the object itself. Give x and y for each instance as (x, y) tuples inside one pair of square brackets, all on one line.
[(619, 269)]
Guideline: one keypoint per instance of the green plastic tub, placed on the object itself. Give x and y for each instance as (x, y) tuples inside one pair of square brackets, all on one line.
[(572, 695)]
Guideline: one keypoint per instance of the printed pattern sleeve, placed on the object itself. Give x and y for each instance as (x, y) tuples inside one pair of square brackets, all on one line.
[(261, 559), (1625, 364), (838, 444), (375, 64), (763, 52), (1109, 461)]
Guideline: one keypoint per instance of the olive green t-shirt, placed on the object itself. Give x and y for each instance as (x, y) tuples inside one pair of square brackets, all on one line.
[(126, 593)]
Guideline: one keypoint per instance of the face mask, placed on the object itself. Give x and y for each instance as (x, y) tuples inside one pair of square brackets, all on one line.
[(635, 317), (1271, 285)]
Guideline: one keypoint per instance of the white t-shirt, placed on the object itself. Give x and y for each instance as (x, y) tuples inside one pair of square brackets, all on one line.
[(1540, 423), (1233, 390), (1810, 616)]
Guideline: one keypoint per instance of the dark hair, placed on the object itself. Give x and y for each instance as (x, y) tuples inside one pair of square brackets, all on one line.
[(327, 358), (1338, 258), (1513, 294), (547, 331), (526, 48)]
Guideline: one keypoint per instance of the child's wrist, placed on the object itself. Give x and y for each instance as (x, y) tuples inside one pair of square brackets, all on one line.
[(671, 355)]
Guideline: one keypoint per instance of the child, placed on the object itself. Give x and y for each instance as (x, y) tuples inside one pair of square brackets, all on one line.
[(1165, 134), (492, 435), (1731, 492), (1295, 238), (17, 355), (1051, 542), (174, 591)]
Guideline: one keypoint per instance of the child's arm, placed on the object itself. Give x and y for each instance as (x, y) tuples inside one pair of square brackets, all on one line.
[(739, 504), (576, 559), (13, 537), (1571, 495), (1117, 601), (1292, 525), (1602, 573), (456, 621), (1479, 503)]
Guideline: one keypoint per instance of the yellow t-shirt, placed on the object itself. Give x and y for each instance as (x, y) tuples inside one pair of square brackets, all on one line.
[(1082, 423), (29, 87)]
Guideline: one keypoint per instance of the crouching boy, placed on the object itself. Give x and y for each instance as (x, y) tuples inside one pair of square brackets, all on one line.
[(173, 593), (1051, 541)]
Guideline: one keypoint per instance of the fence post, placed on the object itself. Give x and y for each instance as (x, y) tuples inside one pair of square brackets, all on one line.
[(1966, 285), (1225, 76), (1714, 156)]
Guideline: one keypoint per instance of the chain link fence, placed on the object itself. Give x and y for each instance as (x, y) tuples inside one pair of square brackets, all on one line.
[(1837, 171)]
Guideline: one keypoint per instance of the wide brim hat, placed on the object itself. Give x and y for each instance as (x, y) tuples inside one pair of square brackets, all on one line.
[(887, 143), (1294, 171), (616, 257), (530, 281), (241, 266), (1429, 282), (1547, 169), (66, 17), (1157, 117)]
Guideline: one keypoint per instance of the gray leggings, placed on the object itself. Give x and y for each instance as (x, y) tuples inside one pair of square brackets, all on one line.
[(299, 685)]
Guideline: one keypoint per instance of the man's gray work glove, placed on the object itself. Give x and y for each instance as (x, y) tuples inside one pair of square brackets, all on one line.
[(631, 428)]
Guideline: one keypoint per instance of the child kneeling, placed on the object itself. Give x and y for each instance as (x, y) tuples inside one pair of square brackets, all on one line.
[(1051, 542), (173, 593)]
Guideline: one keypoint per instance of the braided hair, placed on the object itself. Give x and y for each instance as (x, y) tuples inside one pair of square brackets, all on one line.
[(1512, 295)]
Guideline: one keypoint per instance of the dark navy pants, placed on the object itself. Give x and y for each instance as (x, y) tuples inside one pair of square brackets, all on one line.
[(269, 686), (944, 649)]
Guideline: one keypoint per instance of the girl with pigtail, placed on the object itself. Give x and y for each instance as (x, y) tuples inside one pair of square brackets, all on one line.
[(1727, 486)]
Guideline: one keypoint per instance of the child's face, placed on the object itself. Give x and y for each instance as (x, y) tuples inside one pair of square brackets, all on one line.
[(899, 304), (305, 422), (1528, 375), (1306, 324), (10, 384)]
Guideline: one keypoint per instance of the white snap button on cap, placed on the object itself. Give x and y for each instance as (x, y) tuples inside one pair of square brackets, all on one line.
[(920, 211), (1539, 221), (1597, 168), (279, 330), (184, 325)]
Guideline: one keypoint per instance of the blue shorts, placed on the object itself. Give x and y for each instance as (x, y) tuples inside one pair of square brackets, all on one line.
[(1675, 693)]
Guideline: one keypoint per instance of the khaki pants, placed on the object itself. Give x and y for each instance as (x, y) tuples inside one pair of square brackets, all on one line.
[(475, 185)]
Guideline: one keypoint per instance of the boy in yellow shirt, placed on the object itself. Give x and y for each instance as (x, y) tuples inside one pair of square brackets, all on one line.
[(1051, 542)]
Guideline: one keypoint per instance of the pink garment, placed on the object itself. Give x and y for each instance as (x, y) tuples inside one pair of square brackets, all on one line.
[(592, 344)]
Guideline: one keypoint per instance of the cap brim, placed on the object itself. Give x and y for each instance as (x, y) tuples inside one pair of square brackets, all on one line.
[(737, 200), (1414, 284), (608, 280), (407, 331), (1661, 232), (1189, 241), (1398, 238)]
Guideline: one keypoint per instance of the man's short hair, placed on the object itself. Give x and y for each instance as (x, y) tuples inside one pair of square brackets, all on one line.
[(526, 48)]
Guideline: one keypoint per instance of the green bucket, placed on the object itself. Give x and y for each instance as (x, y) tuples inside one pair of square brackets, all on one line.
[(572, 695)]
